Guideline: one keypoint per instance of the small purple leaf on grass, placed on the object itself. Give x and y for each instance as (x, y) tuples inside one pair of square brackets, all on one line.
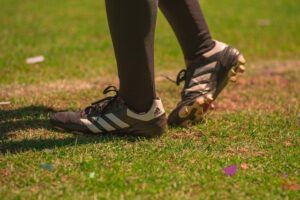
[(230, 170), (285, 175)]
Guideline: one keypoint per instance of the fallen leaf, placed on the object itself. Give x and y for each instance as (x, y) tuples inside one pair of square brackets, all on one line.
[(4, 172), (230, 170), (92, 175), (34, 60), (291, 186), (3, 103), (64, 178), (34, 189), (287, 143), (264, 22), (244, 166), (285, 175)]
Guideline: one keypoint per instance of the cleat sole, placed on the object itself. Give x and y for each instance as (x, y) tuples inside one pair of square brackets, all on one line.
[(194, 111), (187, 123), (239, 68)]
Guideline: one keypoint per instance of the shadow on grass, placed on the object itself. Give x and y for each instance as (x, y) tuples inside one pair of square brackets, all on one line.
[(31, 117), (14, 147), (36, 117)]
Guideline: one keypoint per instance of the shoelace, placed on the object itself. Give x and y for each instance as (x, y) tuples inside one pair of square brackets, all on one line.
[(99, 106), (181, 76)]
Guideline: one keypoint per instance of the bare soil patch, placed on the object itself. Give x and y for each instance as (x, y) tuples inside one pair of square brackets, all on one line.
[(268, 85)]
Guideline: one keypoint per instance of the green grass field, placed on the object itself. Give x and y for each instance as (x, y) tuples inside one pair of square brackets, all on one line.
[(255, 126)]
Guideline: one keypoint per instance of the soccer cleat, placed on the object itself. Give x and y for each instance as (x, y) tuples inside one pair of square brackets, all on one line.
[(204, 80), (112, 115)]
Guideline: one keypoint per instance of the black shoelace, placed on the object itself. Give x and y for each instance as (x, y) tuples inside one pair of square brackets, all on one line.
[(99, 107), (181, 76)]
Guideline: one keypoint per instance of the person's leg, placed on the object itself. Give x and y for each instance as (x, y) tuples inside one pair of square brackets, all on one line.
[(132, 26), (210, 64), (189, 25)]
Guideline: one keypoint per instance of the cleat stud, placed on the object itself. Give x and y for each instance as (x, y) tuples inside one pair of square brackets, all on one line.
[(241, 68), (209, 98), (233, 79), (242, 59), (186, 110), (232, 72), (200, 101)]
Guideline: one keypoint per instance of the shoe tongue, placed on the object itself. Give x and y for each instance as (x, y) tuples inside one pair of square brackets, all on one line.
[(102, 106)]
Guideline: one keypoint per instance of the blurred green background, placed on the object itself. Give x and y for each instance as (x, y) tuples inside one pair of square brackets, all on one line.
[(74, 38)]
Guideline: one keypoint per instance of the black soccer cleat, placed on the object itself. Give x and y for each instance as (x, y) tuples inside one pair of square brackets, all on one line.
[(112, 115), (204, 80)]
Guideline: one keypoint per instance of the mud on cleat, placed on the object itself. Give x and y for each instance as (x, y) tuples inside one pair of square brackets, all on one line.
[(112, 115), (204, 79)]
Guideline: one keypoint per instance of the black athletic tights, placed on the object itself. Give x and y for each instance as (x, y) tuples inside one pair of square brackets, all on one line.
[(132, 27)]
